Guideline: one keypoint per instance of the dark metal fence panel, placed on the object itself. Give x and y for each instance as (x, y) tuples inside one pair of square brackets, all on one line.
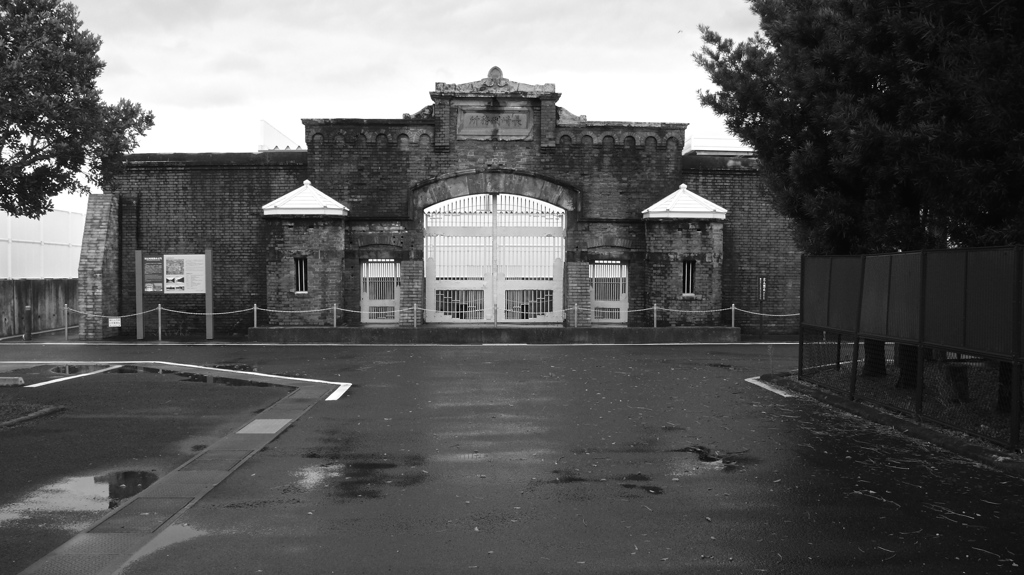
[(874, 314), (815, 290), (844, 293), (965, 371), (944, 297), (905, 296), (989, 294)]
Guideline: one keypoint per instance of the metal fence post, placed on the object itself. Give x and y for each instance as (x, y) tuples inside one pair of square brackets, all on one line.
[(415, 315), (1015, 397), (65, 322), (254, 315), (159, 322), (334, 307), (575, 314), (732, 309), (800, 322), (1016, 337), (856, 331), (655, 315), (919, 383)]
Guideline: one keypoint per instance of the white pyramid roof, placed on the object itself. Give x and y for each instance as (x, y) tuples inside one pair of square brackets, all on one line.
[(684, 204), (305, 201), (273, 139)]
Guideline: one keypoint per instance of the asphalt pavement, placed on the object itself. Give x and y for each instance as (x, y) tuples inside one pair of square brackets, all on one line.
[(551, 459)]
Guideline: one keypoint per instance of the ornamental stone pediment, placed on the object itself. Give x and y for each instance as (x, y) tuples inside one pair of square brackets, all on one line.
[(494, 83)]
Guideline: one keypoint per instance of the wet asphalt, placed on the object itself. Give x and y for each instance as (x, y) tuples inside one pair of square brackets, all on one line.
[(553, 459)]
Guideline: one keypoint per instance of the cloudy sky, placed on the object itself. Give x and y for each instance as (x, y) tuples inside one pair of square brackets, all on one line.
[(211, 70)]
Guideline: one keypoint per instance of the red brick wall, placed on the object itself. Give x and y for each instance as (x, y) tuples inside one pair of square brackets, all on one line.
[(758, 242), (185, 203), (671, 243), (322, 243), (412, 293), (577, 294)]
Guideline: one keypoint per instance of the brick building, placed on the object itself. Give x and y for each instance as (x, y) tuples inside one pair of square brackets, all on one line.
[(490, 205)]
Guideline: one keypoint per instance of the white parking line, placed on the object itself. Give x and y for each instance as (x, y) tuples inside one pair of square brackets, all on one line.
[(342, 387), (337, 393), (769, 387), (60, 379)]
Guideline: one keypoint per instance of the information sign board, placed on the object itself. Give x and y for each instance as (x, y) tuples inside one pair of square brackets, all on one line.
[(184, 273), (153, 274)]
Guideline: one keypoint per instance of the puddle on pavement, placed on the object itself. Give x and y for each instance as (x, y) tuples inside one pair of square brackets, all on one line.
[(76, 369), (199, 376), (652, 489), (74, 503), (567, 477), (703, 453), (222, 380), (708, 460), (358, 477), (235, 367), (176, 533)]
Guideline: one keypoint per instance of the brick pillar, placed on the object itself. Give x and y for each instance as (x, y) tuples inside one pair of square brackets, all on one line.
[(577, 293), (443, 124), (412, 293), (97, 268), (548, 121)]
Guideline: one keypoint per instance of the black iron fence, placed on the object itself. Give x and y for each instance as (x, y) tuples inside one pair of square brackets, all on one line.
[(933, 334)]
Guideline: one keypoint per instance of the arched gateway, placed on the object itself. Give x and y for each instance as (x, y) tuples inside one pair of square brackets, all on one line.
[(493, 258)]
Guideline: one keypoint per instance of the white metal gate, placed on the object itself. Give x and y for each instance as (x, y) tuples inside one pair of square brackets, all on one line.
[(609, 291), (379, 293), (494, 258)]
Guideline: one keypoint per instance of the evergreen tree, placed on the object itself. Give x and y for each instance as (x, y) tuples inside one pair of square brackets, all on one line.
[(56, 134), (881, 125)]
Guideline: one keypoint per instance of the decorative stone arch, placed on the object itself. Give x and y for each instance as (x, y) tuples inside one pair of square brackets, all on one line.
[(467, 183)]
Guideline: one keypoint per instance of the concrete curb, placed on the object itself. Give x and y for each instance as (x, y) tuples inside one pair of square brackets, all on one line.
[(988, 456), (33, 415), (495, 335)]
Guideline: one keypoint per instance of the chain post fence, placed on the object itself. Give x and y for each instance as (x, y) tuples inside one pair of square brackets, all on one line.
[(935, 335), (258, 316)]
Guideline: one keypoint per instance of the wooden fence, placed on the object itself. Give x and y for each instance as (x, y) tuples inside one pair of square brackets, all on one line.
[(47, 298)]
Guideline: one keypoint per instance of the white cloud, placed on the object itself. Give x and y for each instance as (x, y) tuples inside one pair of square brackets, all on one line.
[(211, 70)]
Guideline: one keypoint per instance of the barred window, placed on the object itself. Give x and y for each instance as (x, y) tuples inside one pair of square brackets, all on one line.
[(301, 277), (689, 269)]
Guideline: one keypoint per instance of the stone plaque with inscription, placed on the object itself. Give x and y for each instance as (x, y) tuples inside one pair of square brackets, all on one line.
[(504, 123)]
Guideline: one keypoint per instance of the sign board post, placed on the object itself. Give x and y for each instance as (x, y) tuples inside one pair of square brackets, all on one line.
[(139, 281), (149, 278), (209, 293)]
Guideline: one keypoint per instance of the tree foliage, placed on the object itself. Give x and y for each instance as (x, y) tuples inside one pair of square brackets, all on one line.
[(881, 125), (56, 133)]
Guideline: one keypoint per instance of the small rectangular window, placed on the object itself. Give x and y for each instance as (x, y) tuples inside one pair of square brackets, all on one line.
[(689, 269), (301, 277)]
